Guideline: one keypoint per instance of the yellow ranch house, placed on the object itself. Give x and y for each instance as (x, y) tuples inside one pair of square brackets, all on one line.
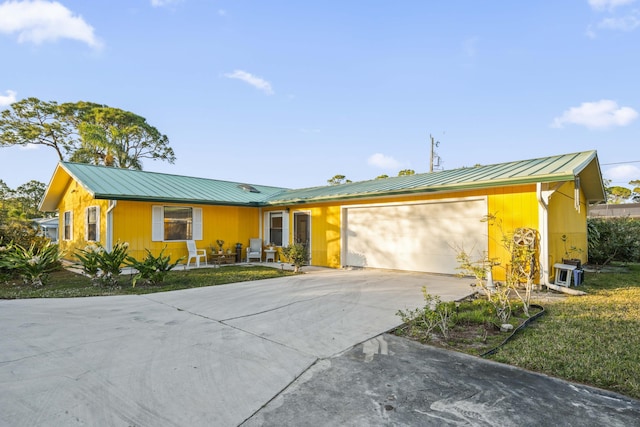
[(415, 223)]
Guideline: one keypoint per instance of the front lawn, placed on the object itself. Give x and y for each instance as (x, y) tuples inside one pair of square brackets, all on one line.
[(592, 339), (65, 284)]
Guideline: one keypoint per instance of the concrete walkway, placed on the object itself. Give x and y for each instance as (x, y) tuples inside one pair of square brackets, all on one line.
[(199, 357)]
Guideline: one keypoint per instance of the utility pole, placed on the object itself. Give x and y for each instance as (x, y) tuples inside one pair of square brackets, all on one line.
[(434, 155)]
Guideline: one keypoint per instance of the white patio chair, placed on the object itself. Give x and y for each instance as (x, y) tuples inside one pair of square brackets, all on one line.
[(195, 253), (254, 250)]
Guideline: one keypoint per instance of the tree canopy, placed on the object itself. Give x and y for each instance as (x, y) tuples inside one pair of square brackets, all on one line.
[(17, 209), (635, 193), (338, 179), (618, 194), (84, 132)]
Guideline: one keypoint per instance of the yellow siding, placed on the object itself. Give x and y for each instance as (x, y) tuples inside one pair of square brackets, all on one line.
[(132, 224), (76, 199), (515, 206), (325, 233), (564, 219), (232, 224)]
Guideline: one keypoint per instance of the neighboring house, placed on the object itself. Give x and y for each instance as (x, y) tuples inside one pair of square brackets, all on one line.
[(47, 227), (413, 222), (631, 210)]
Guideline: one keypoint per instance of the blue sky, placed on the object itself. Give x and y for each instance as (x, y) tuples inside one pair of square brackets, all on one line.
[(291, 93)]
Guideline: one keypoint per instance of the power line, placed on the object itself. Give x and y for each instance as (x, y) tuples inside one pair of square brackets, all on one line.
[(620, 163)]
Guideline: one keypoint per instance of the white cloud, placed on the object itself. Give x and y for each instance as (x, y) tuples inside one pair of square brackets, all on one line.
[(257, 82), (622, 173), (222, 12), (597, 115), (608, 4), (382, 161), (9, 99), (29, 147), (40, 21), (626, 23)]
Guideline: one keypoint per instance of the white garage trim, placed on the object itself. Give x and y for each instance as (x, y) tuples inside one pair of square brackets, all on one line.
[(417, 236)]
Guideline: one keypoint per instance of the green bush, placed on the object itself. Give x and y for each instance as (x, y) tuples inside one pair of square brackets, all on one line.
[(435, 314), (152, 270), (613, 239), (102, 266), (297, 254), (32, 263), (20, 231), (89, 260)]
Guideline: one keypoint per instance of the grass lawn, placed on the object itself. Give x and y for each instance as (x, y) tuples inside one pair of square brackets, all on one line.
[(593, 339), (65, 284)]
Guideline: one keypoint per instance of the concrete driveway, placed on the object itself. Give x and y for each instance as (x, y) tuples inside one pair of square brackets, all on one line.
[(200, 357)]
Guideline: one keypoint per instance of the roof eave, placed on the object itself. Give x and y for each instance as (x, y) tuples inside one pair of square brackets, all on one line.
[(173, 200), (53, 193)]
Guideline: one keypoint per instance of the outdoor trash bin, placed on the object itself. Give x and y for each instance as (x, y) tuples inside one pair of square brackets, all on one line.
[(577, 277)]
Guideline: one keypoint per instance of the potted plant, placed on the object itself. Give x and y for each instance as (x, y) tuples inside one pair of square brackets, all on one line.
[(569, 257), (220, 244)]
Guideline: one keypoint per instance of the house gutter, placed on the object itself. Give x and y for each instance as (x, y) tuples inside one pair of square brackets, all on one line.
[(109, 242), (543, 226)]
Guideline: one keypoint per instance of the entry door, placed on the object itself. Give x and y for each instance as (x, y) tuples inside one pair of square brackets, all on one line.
[(302, 229)]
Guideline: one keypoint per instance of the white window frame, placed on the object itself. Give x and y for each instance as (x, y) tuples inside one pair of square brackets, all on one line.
[(64, 226), (86, 222), (157, 223), (285, 226)]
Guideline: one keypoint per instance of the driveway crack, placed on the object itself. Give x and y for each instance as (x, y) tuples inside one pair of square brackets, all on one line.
[(244, 316), (224, 322)]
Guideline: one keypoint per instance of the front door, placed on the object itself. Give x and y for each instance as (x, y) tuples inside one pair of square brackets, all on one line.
[(302, 230)]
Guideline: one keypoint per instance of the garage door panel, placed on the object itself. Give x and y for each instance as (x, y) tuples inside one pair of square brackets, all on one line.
[(417, 237)]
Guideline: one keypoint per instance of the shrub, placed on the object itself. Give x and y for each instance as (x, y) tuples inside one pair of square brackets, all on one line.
[(297, 254), (102, 266), (33, 263), (152, 269), (613, 239), (497, 294), (435, 314), (89, 260), (21, 232)]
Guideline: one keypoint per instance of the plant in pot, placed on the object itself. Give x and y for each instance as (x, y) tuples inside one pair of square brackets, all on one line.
[(570, 253)]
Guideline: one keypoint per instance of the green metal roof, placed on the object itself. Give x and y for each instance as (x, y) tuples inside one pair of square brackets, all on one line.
[(125, 184), (547, 169)]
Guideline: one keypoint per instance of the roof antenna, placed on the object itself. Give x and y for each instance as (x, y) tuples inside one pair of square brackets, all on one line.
[(435, 159)]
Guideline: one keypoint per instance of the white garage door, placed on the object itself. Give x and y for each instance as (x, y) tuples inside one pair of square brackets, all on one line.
[(416, 237)]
